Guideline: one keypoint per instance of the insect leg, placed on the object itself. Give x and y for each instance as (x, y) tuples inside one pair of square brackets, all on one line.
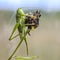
[(16, 49), (14, 36), (25, 33), (26, 41), (26, 45), (15, 27)]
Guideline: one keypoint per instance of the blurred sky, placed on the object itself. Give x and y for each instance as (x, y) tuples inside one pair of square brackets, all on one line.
[(43, 4)]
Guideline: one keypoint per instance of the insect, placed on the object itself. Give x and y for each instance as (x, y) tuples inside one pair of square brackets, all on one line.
[(24, 25), (33, 19)]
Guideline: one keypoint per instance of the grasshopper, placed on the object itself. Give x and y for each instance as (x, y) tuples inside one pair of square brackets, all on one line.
[(20, 20), (23, 31)]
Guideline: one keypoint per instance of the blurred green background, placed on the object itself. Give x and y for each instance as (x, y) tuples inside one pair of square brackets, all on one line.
[(44, 40)]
